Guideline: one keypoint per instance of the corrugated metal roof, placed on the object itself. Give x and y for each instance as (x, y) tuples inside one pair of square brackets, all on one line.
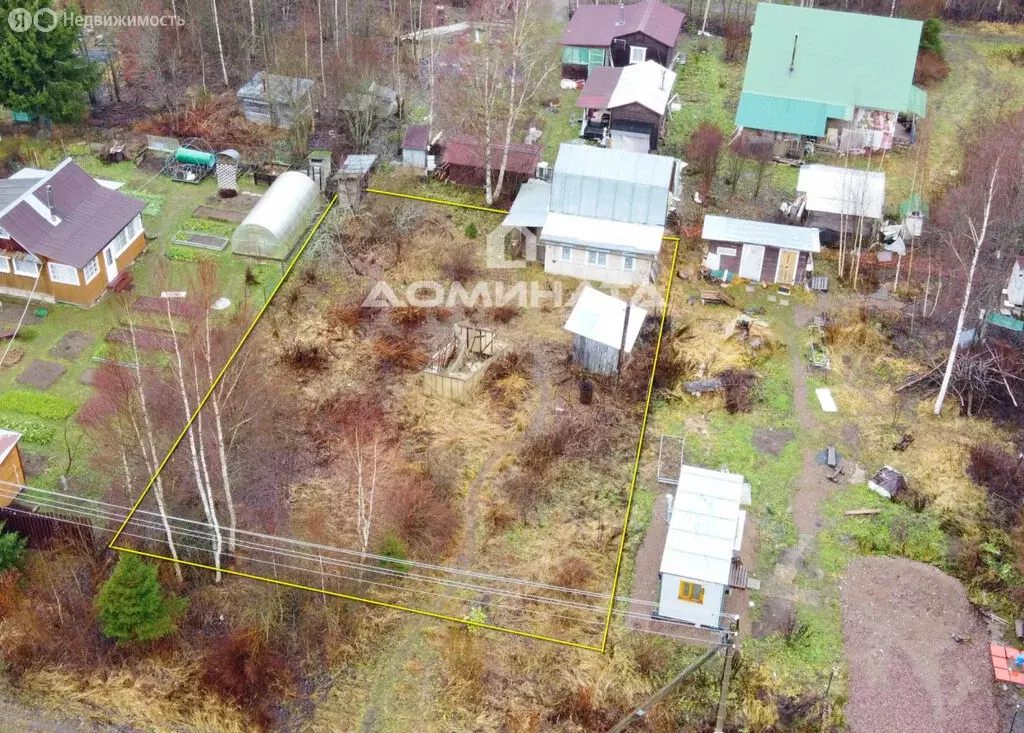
[(780, 114), (279, 89), (1008, 322), (530, 209), (616, 185), (599, 317), (705, 520), (744, 231), (845, 59), (468, 151), (848, 191), (648, 84), (417, 137), (918, 103), (90, 216), (600, 84), (597, 25), (593, 233)]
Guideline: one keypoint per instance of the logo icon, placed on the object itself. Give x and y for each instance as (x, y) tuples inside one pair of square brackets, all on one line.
[(20, 20), (46, 19)]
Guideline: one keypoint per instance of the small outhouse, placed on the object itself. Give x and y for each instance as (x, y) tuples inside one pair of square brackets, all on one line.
[(12, 472), (602, 329)]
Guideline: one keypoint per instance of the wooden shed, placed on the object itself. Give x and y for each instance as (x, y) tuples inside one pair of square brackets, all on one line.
[(600, 330), (12, 472), (760, 251), (465, 163)]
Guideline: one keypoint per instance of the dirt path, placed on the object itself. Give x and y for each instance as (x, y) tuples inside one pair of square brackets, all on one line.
[(541, 378), (780, 591), (15, 717), (907, 673)]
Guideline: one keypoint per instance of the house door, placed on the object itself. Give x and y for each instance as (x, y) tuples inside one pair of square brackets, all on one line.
[(787, 266), (110, 262), (751, 261)]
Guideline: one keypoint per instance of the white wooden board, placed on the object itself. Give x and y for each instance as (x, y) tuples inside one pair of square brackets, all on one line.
[(825, 399)]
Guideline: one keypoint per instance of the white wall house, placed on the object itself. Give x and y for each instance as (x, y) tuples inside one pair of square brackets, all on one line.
[(1013, 294), (603, 215), (704, 536)]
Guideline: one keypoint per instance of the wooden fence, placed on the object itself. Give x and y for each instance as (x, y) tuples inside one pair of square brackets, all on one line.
[(43, 530)]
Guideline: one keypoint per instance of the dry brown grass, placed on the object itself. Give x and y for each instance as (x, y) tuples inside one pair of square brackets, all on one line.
[(159, 695)]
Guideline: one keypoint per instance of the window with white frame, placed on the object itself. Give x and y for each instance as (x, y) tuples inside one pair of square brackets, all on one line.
[(63, 274), (26, 268), (628, 263), (597, 258), (91, 270), (134, 228), (566, 254), (637, 54), (120, 243), (5, 264)]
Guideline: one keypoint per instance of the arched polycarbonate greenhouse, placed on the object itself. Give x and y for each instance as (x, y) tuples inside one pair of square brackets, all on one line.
[(279, 219)]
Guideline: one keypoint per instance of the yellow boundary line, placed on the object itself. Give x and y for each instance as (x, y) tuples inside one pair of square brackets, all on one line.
[(220, 376), (444, 617)]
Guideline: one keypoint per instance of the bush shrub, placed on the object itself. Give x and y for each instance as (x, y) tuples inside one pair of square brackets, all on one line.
[(28, 335), (930, 68), (32, 431), (12, 545), (396, 353), (37, 404), (308, 357), (393, 547), (242, 669), (573, 572), (1001, 474), (471, 231), (422, 518)]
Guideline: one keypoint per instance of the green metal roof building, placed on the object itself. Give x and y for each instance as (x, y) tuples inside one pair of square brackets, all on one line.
[(806, 66)]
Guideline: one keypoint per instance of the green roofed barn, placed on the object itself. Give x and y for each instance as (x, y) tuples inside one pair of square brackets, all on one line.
[(842, 79)]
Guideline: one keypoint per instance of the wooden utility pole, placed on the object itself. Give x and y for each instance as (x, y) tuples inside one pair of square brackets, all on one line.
[(661, 694), (724, 695), (622, 344)]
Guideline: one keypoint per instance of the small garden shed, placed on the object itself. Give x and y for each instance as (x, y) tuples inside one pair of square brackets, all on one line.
[(279, 218), (276, 100), (600, 330), (760, 251), (12, 473), (704, 535)]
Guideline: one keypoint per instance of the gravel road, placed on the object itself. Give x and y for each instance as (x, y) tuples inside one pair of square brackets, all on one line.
[(907, 674)]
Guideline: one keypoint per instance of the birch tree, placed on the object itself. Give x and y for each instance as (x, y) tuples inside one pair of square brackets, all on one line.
[(220, 43), (977, 236), (531, 66)]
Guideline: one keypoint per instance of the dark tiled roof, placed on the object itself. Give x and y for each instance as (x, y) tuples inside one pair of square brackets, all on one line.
[(601, 82), (417, 137), (596, 25), (468, 151), (90, 216)]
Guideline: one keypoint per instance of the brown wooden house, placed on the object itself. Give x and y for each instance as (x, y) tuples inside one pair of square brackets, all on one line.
[(64, 236), (626, 107), (464, 162), (619, 35), (759, 251)]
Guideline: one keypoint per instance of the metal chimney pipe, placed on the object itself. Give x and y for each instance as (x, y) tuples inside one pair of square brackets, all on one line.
[(792, 59), (49, 201), (622, 14)]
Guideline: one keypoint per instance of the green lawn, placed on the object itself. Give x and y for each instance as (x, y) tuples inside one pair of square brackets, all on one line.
[(169, 208)]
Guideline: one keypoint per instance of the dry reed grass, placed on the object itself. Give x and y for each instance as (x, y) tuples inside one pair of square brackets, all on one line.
[(160, 695)]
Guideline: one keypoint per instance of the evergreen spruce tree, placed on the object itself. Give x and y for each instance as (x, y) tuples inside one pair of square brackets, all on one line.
[(12, 545), (133, 606), (44, 72)]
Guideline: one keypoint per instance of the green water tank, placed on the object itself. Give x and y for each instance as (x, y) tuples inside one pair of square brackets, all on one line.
[(197, 157)]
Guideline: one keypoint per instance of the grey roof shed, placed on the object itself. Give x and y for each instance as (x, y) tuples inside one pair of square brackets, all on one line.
[(619, 185), (276, 100)]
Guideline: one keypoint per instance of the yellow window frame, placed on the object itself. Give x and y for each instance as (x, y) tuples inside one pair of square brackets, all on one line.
[(691, 592)]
